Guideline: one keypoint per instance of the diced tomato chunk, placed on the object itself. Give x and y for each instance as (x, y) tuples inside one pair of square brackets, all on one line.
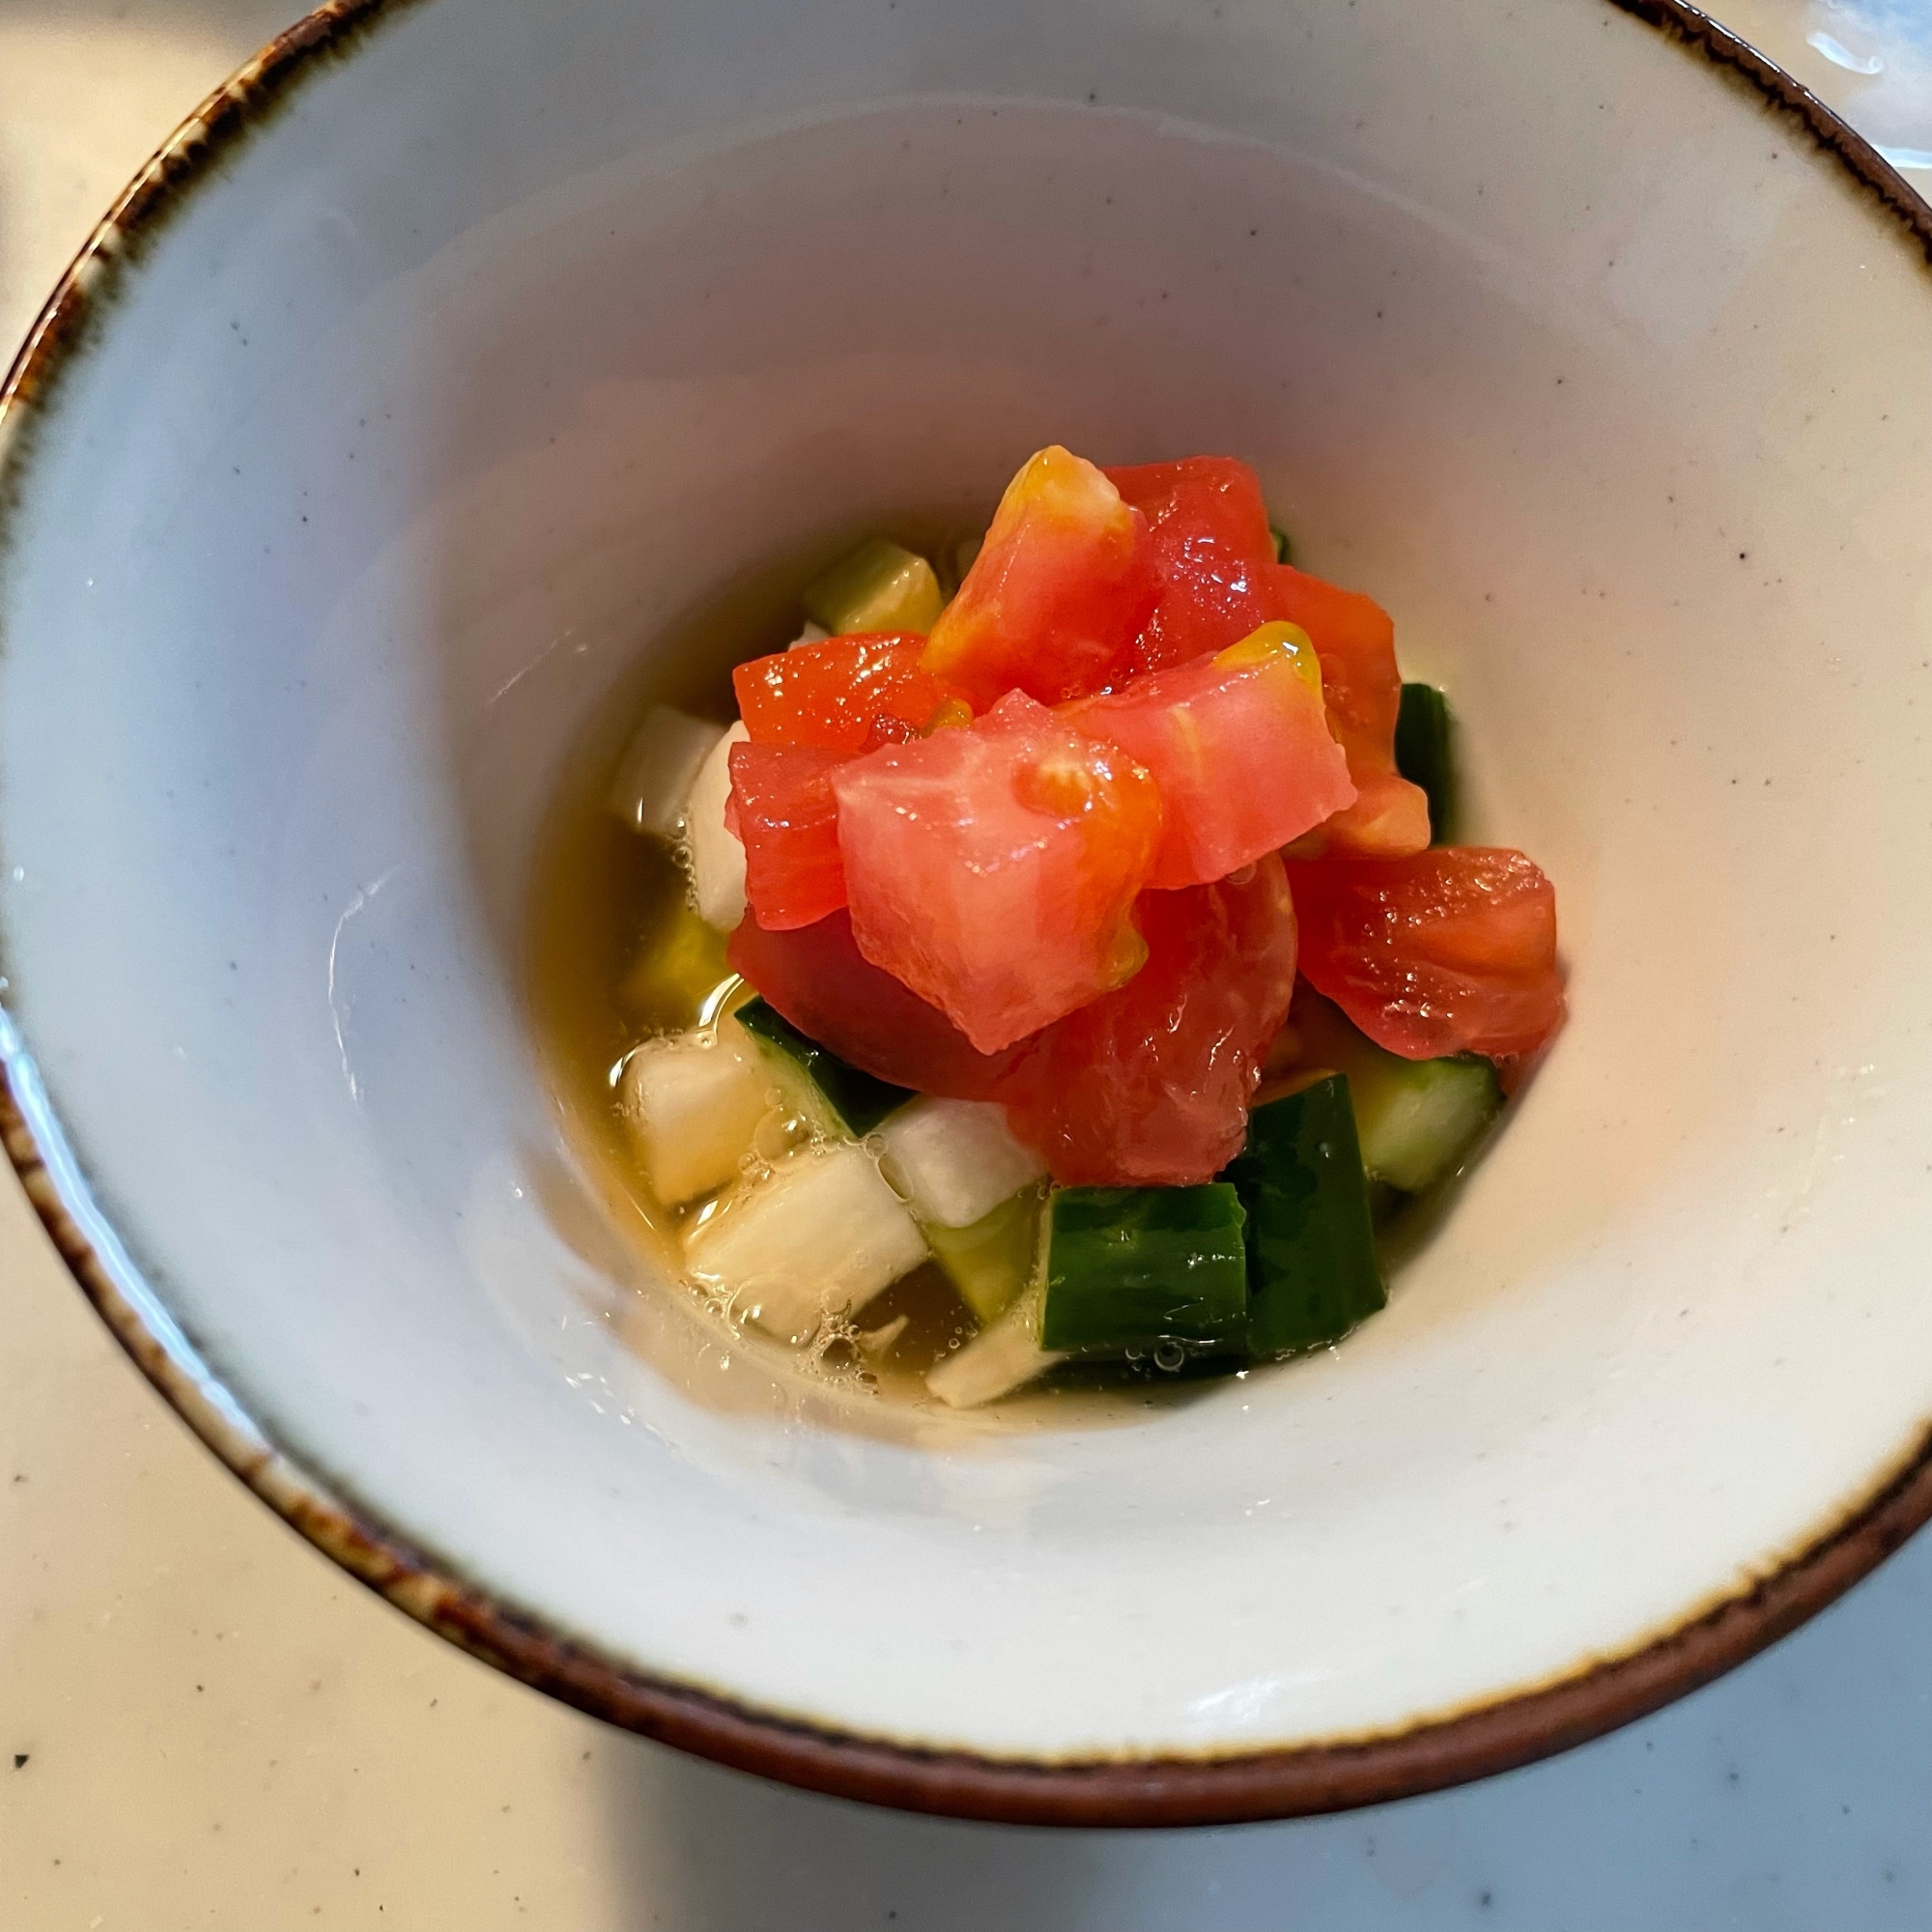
[(785, 814), (1219, 580), (817, 977), (1238, 744), (1213, 552), (842, 694), (1058, 594), (992, 868), (1150, 1085), (1451, 951), (1355, 638)]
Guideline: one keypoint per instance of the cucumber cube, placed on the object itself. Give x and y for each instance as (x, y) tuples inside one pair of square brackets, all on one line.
[(677, 978), (837, 1097), (1417, 1121), (820, 1234), (1131, 1268), (879, 587), (1425, 753), (993, 1260), (1312, 1267)]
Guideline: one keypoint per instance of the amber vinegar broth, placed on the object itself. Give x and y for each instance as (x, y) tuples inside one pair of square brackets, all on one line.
[(603, 895)]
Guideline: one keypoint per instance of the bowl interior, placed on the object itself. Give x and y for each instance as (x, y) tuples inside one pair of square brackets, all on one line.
[(508, 340)]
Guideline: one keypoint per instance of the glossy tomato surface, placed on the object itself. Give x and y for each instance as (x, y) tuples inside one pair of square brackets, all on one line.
[(817, 977), (1238, 744), (1452, 950), (1214, 553), (991, 868), (1059, 591), (842, 694), (788, 820), (1361, 685), (1212, 550), (1150, 1085)]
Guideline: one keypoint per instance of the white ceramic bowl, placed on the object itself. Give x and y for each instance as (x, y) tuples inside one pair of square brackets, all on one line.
[(410, 394)]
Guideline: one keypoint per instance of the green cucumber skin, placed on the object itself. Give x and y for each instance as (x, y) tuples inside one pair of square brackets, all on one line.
[(1129, 1267), (1417, 1121), (1283, 550), (1424, 755), (990, 1261), (1431, 1116), (1313, 1272), (851, 595), (859, 1099)]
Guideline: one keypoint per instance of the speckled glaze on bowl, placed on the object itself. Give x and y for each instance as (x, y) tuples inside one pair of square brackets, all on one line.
[(345, 477)]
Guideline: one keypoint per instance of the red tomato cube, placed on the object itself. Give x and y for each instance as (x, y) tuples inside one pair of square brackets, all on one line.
[(1149, 1086), (783, 809), (1219, 580), (1355, 638), (1239, 746), (843, 695), (1060, 590), (1451, 951), (817, 977), (1213, 552), (992, 868)]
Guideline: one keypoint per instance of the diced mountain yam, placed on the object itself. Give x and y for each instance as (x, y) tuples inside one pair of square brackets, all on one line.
[(822, 1233), (694, 1104), (955, 1160), (717, 859), (996, 1361), (654, 776)]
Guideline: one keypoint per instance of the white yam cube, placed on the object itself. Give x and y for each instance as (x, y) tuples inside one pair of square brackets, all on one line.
[(820, 1234), (717, 859), (955, 1160), (695, 1104), (996, 1361), (655, 774)]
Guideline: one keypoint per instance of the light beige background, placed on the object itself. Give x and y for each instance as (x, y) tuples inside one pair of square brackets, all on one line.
[(203, 1724)]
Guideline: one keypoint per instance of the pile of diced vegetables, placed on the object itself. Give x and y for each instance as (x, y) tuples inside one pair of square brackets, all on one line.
[(1092, 934)]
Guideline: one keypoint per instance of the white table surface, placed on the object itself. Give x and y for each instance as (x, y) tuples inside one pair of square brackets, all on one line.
[(203, 1724)]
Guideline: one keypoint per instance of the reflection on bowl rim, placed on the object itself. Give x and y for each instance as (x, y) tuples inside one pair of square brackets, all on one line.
[(1510, 1728)]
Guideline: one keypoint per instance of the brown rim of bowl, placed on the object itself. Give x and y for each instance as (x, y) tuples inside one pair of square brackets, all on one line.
[(1496, 1735)]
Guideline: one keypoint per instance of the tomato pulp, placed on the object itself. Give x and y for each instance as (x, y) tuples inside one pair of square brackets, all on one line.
[(1452, 950), (1057, 596), (991, 868)]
